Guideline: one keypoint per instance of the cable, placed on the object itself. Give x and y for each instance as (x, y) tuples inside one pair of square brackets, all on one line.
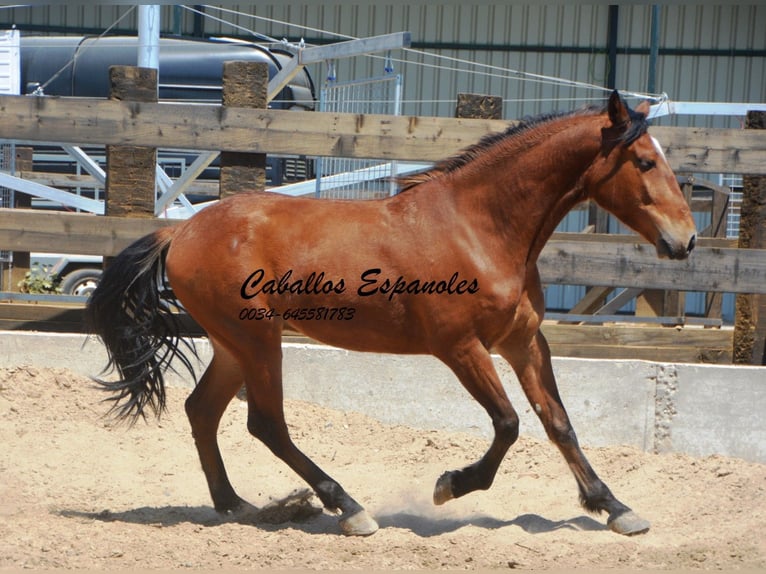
[(40, 90), (235, 26), (494, 71)]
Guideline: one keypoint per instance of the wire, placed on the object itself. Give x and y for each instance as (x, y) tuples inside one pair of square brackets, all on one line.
[(235, 26), (40, 90), (492, 71)]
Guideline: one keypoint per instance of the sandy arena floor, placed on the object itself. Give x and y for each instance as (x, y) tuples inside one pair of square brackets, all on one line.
[(78, 491)]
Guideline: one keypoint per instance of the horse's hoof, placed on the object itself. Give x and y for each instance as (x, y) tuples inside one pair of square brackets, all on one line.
[(443, 489), (628, 523), (359, 524)]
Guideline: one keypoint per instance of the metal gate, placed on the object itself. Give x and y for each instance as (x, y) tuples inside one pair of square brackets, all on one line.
[(7, 157), (350, 178), (10, 79)]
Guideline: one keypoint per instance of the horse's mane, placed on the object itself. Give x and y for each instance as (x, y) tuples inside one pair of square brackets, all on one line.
[(637, 127)]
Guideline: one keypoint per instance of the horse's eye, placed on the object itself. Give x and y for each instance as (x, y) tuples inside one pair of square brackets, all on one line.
[(646, 164)]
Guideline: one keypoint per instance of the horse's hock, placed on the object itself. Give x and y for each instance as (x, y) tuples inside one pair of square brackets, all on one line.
[(659, 407)]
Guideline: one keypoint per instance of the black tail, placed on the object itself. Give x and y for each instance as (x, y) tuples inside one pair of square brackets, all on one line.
[(130, 312)]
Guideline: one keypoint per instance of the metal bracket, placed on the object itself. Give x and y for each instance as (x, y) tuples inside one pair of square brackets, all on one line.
[(346, 49)]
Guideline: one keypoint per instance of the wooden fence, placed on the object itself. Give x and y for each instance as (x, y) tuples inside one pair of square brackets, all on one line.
[(717, 265)]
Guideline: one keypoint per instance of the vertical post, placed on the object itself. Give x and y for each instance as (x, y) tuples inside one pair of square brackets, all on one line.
[(21, 259), (720, 201), (479, 107), (750, 314), (611, 45), (130, 170), (149, 36), (245, 85), (654, 49)]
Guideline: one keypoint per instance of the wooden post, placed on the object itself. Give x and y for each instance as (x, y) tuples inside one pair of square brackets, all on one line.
[(479, 107), (21, 259), (131, 170), (245, 85), (750, 314)]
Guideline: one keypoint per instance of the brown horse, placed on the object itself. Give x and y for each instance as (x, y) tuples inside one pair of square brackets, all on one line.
[(447, 267)]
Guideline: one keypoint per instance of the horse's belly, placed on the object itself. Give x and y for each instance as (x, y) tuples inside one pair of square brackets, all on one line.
[(341, 327)]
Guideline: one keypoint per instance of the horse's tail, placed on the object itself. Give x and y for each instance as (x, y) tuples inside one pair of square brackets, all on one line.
[(130, 311)]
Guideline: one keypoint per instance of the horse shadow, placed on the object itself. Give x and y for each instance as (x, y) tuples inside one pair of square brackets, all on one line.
[(426, 526), (206, 516), (317, 522)]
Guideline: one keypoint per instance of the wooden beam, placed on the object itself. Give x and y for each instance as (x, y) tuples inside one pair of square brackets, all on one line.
[(640, 342), (212, 127), (35, 230), (637, 265), (618, 262)]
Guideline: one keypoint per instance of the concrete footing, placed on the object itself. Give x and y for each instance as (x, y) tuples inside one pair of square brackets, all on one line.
[(658, 407)]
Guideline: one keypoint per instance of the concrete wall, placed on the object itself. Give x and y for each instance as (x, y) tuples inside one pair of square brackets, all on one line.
[(659, 407)]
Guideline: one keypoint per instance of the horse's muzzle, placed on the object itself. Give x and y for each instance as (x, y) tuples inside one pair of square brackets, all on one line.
[(675, 249)]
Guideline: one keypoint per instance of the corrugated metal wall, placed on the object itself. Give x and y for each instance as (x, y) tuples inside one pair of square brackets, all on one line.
[(703, 48)]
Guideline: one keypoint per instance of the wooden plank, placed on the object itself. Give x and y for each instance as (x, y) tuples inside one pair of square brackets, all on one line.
[(631, 239), (686, 354), (574, 261), (37, 230), (637, 265), (212, 127), (692, 345), (85, 234), (591, 341), (708, 150), (638, 336)]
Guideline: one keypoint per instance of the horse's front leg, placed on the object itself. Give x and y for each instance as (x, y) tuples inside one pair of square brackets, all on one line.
[(472, 364), (532, 364)]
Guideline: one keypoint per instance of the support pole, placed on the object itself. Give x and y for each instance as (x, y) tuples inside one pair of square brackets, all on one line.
[(750, 314), (149, 36), (654, 48)]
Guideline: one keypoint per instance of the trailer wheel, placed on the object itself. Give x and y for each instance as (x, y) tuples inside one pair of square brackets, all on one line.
[(81, 282)]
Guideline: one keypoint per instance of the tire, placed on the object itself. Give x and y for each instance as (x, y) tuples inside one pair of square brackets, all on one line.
[(81, 282)]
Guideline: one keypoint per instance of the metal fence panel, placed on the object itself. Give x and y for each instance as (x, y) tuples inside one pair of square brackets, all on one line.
[(348, 178)]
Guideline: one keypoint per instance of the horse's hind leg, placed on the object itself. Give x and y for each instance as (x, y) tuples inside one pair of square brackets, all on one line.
[(532, 365), (266, 421), (204, 407)]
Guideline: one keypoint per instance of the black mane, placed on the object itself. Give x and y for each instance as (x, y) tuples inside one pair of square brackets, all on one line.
[(636, 128)]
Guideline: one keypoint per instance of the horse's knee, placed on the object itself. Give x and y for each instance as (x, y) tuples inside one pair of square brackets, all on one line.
[(560, 431), (507, 428)]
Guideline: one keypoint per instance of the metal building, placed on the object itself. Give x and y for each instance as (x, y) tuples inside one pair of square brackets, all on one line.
[(695, 52)]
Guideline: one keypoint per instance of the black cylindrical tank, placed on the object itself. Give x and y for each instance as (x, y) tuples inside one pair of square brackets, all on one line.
[(189, 70)]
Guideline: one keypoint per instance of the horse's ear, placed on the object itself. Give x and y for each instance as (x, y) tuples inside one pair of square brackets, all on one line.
[(644, 108), (618, 110)]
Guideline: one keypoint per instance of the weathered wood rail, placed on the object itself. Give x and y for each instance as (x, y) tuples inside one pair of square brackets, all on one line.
[(219, 128), (568, 258)]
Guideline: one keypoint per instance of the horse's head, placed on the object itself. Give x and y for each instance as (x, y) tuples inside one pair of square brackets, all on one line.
[(631, 179)]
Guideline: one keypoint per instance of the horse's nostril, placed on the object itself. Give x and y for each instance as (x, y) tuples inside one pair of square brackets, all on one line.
[(692, 243)]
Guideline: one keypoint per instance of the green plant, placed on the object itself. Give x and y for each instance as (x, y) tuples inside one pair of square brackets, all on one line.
[(40, 280)]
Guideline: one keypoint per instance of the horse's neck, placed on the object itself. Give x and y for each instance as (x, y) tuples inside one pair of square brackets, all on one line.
[(527, 191)]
